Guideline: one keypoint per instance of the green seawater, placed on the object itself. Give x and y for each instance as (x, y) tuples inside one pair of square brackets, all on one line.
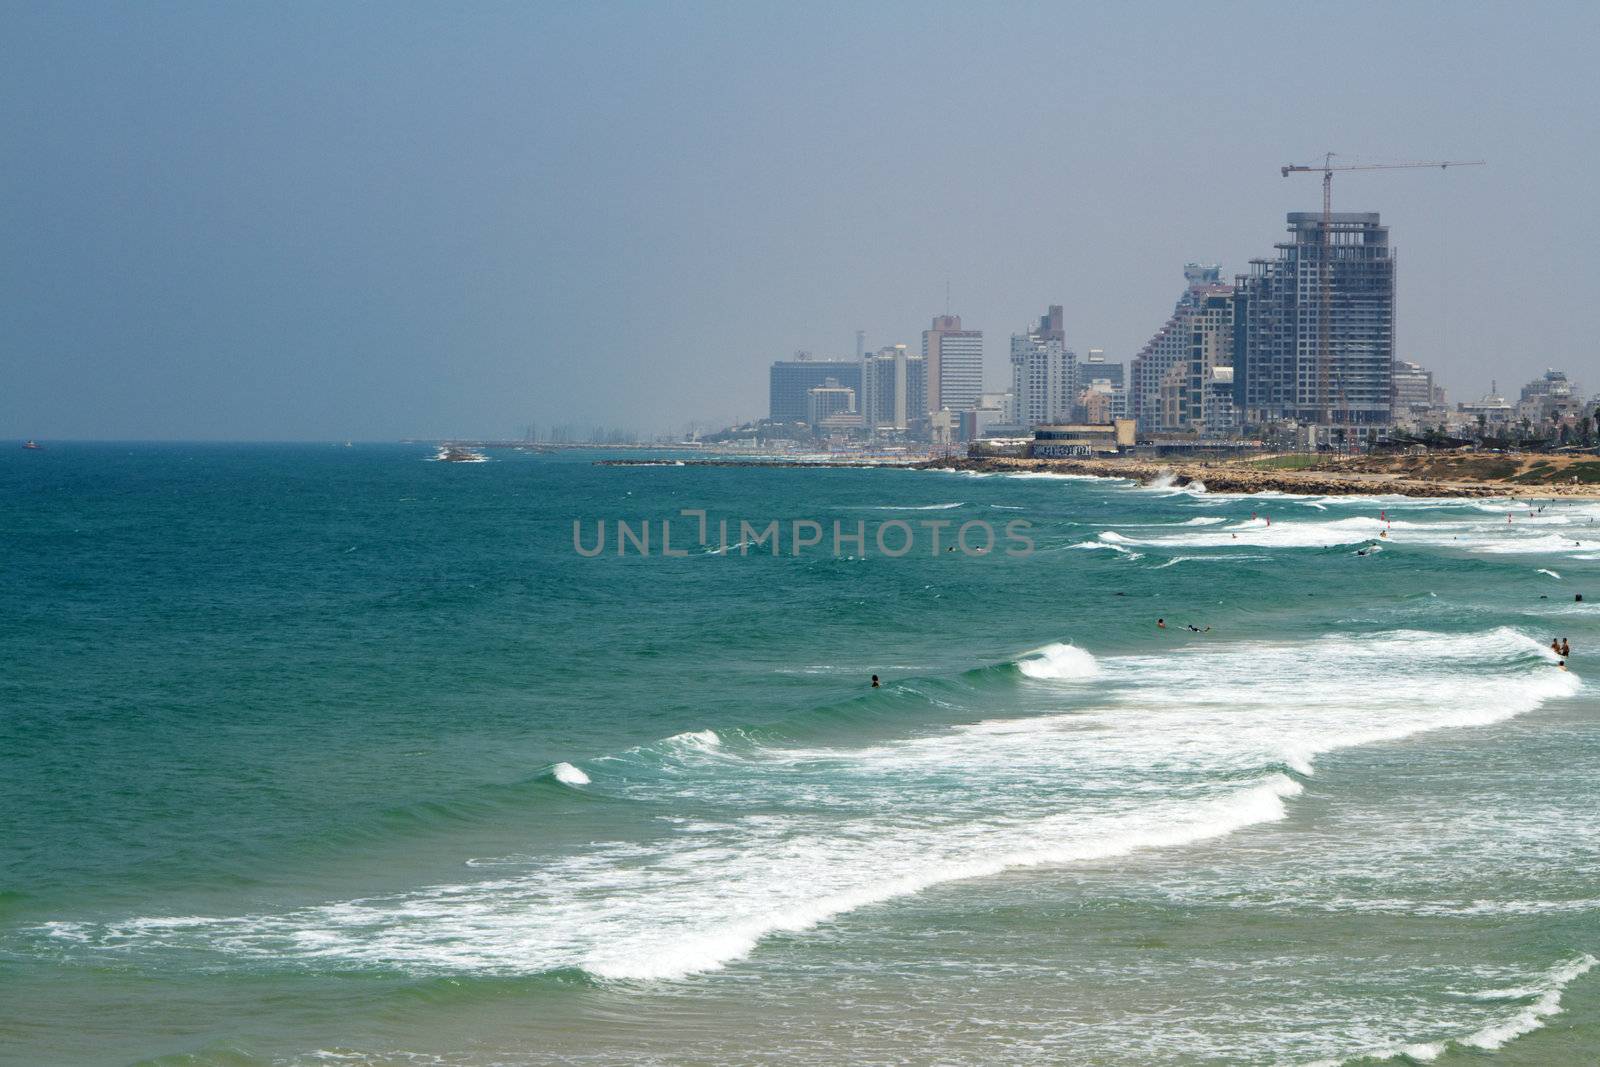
[(327, 755)]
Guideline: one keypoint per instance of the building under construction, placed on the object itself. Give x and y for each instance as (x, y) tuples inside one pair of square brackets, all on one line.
[(1317, 326)]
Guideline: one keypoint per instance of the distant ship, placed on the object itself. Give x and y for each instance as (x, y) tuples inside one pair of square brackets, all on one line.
[(34, 445)]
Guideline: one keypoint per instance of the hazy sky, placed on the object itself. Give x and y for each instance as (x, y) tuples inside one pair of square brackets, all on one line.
[(284, 221)]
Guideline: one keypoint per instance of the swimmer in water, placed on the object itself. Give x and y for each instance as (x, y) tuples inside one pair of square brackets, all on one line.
[(1161, 624), (1555, 646), (875, 682), (1566, 649), (1562, 664)]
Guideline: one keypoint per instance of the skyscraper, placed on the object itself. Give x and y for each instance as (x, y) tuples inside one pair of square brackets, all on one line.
[(893, 389), (792, 379), (1044, 377), (954, 363), (1285, 372), (1172, 346)]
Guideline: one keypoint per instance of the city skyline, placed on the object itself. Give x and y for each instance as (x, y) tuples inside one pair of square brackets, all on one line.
[(224, 224)]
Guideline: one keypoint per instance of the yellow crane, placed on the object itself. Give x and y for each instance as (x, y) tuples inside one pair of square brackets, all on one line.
[(1324, 267)]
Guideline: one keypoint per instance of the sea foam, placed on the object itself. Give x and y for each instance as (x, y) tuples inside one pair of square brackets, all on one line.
[(1059, 661), (1160, 752), (567, 774)]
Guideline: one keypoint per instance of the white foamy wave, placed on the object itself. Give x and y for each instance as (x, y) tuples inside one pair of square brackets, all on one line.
[(1058, 476), (1059, 661), (700, 740), (1108, 545), (567, 774), (909, 507), (1547, 991), (1159, 752), (1166, 483), (1428, 527), (1533, 1016), (1552, 574)]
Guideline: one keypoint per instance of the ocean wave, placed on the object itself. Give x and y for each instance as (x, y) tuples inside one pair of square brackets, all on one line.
[(770, 836), (907, 507), (1057, 476), (567, 774), (1110, 544), (1175, 560), (1468, 535), (1058, 661), (1546, 991)]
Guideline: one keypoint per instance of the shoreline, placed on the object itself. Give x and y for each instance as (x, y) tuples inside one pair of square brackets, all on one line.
[(1223, 477)]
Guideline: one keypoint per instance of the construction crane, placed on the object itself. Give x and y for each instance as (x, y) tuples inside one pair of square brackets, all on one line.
[(1324, 268)]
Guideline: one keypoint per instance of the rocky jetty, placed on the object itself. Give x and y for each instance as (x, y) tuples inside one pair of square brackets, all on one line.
[(1235, 477)]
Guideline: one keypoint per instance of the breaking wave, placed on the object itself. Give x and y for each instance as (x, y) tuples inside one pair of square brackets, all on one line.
[(761, 836)]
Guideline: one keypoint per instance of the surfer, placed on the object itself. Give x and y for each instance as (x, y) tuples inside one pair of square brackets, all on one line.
[(1195, 629)]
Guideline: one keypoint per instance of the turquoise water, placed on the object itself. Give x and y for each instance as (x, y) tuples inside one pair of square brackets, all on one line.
[(316, 755)]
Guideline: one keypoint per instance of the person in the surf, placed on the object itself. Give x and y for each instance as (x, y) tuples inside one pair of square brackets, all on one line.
[(1555, 645), (1161, 624), (1195, 629), (875, 682), (1562, 664), (1566, 649)]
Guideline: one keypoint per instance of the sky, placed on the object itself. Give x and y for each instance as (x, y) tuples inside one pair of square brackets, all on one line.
[(328, 221)]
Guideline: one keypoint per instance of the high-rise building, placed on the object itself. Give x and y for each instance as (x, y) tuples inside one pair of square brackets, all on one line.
[(955, 364), (1208, 384), (1096, 375), (792, 379), (1172, 346), (1044, 373), (894, 390), (1285, 372), (828, 399), (1413, 387)]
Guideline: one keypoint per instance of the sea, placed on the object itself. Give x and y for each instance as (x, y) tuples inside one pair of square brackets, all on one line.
[(318, 755)]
